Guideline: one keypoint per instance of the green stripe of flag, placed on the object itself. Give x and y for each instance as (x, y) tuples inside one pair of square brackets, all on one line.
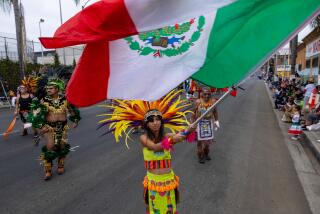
[(248, 31)]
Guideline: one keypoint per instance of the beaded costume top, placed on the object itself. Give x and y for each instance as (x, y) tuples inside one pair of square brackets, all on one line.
[(57, 106), (202, 108), (149, 155), (156, 160)]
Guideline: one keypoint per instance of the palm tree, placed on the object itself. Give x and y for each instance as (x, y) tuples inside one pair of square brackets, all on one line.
[(6, 5), (20, 31)]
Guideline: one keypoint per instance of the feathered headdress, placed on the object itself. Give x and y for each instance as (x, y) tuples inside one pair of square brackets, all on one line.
[(59, 83), (126, 115), (30, 83)]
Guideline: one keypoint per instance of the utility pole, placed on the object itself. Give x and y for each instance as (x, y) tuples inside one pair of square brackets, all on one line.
[(63, 50), (6, 48), (40, 21)]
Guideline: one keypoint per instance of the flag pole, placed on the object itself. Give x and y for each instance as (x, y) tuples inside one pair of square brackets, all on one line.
[(211, 108), (222, 98)]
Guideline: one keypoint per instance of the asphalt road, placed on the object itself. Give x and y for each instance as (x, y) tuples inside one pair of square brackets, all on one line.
[(251, 171)]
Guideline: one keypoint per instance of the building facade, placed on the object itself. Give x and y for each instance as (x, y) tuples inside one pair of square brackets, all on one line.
[(308, 55)]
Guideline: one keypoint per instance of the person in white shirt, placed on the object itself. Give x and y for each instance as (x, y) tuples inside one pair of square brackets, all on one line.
[(308, 91), (13, 101)]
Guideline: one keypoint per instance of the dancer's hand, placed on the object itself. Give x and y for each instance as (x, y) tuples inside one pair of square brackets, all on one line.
[(44, 130), (217, 125), (74, 125), (191, 128)]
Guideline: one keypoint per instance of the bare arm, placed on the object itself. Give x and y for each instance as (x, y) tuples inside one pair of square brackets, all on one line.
[(195, 110), (74, 114), (145, 142), (215, 114), (215, 111), (176, 138)]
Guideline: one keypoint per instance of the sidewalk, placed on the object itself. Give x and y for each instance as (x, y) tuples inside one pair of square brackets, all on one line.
[(313, 141)]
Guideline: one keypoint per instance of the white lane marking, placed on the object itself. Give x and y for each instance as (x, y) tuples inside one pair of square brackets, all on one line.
[(72, 149)]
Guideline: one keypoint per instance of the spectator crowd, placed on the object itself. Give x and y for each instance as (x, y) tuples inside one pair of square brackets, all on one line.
[(298, 101)]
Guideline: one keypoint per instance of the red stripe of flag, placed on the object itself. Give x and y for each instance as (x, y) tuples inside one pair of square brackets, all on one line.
[(89, 82), (103, 21)]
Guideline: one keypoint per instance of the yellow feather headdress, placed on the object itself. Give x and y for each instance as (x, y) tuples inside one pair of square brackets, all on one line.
[(31, 83), (126, 115)]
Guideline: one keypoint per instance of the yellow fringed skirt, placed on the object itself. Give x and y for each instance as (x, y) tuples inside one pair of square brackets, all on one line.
[(161, 193)]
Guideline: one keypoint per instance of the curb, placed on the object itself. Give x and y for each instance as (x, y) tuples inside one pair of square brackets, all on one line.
[(313, 141)]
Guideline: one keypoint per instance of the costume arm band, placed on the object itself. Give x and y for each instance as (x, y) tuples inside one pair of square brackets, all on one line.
[(189, 136), (74, 114), (167, 143)]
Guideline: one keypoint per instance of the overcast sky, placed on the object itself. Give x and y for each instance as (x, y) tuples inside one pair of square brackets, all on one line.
[(49, 11), (45, 9)]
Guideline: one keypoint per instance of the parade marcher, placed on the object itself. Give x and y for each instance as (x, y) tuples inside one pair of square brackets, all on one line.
[(22, 106), (23, 102), (160, 184), (49, 115), (205, 128)]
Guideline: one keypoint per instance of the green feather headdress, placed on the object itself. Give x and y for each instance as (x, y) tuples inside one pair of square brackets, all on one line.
[(59, 83)]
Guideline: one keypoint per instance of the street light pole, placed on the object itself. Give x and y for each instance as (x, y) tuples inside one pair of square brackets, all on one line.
[(40, 21), (64, 53)]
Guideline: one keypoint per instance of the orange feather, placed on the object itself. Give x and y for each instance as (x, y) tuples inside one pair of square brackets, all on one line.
[(10, 127)]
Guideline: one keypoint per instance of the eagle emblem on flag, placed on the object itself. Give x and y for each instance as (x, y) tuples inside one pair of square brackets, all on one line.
[(168, 41)]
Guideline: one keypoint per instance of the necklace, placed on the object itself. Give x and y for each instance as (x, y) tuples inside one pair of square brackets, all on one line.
[(56, 101), (206, 105)]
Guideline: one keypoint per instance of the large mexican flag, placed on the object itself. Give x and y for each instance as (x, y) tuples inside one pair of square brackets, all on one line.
[(142, 49)]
